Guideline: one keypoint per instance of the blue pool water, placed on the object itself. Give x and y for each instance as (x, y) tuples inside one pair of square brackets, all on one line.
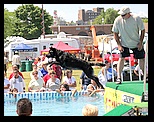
[(55, 104)]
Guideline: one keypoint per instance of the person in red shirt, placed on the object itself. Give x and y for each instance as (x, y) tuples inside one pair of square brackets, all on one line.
[(47, 76), (14, 67), (58, 70)]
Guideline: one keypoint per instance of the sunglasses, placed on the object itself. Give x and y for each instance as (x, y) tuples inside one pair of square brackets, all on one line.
[(52, 73), (35, 73), (123, 15)]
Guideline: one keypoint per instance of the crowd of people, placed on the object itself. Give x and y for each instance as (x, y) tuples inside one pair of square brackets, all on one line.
[(46, 76)]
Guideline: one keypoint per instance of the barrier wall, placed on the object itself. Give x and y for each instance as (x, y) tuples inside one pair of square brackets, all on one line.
[(41, 95), (125, 93)]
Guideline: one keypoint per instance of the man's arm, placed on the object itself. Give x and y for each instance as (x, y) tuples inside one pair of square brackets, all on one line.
[(117, 38), (140, 44)]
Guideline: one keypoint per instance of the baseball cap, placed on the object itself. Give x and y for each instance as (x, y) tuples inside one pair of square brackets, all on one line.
[(124, 10)]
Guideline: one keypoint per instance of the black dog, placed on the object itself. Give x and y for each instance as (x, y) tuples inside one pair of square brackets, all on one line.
[(67, 60)]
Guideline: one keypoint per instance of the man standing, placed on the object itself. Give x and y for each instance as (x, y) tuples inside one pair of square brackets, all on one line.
[(129, 33), (17, 82), (16, 59)]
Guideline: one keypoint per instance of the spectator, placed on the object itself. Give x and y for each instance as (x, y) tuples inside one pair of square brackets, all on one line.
[(90, 110), (36, 84), (44, 58), (17, 82), (14, 92), (126, 30), (105, 74), (137, 69), (16, 59), (5, 62), (65, 87), (44, 69), (14, 67), (6, 84), (35, 68), (38, 62), (24, 107), (84, 81), (53, 83), (47, 76), (70, 80), (93, 88), (58, 69)]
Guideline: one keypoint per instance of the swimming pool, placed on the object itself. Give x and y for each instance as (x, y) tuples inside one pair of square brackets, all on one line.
[(53, 104)]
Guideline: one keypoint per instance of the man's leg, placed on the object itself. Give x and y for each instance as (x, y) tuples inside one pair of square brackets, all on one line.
[(141, 64), (120, 67)]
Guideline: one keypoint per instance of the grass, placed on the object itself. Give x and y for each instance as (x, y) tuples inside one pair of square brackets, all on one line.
[(76, 74)]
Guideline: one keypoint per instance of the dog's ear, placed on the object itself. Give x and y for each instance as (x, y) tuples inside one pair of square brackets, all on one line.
[(51, 48)]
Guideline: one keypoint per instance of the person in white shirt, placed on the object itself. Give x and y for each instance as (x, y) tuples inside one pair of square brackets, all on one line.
[(6, 84), (17, 82), (70, 80), (35, 68), (36, 84), (137, 69), (16, 59), (53, 83)]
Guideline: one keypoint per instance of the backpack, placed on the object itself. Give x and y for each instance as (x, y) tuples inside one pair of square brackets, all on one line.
[(58, 70)]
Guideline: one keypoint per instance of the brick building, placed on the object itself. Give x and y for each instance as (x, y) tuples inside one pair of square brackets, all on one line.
[(83, 30)]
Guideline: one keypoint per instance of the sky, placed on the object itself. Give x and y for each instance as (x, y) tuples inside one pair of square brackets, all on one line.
[(69, 12)]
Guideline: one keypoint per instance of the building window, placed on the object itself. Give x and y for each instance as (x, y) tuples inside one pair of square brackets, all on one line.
[(35, 49), (44, 47), (86, 28), (77, 28)]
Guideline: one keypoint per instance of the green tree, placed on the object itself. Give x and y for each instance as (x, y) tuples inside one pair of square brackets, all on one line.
[(9, 23), (29, 26), (145, 20), (109, 16), (98, 19)]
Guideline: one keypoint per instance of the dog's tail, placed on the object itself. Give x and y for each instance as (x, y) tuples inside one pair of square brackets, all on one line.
[(97, 64)]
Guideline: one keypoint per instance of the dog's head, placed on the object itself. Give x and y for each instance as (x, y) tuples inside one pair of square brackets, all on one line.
[(54, 53)]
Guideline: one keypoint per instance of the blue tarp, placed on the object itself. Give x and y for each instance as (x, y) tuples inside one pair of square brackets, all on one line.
[(22, 47)]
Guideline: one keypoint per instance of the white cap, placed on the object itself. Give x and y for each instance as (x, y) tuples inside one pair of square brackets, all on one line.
[(124, 10)]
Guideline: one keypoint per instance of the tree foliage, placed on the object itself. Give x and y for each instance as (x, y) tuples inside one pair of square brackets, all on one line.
[(109, 17), (29, 26), (145, 20), (9, 23)]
